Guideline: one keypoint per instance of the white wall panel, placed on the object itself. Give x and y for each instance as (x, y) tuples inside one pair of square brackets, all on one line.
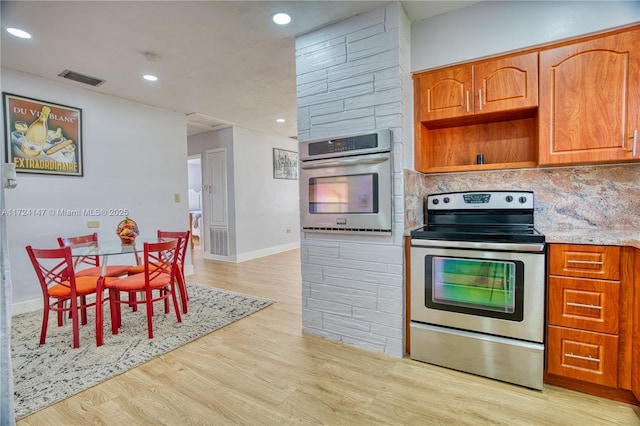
[(135, 158)]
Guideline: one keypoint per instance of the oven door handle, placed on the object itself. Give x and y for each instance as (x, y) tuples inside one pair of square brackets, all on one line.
[(344, 162), (478, 245)]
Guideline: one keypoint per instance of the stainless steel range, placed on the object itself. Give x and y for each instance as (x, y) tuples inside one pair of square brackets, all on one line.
[(478, 286)]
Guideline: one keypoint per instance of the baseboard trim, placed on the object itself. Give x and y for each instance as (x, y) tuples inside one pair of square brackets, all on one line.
[(27, 306), (243, 257), (621, 395)]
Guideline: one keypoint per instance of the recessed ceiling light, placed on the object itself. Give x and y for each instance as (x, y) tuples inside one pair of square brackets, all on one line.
[(280, 120), (150, 77), (281, 18), (18, 33)]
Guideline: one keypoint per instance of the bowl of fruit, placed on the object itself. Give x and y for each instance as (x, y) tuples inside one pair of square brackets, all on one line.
[(127, 230)]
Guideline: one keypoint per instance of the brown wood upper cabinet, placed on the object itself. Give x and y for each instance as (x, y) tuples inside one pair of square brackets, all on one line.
[(590, 101), (485, 108), (495, 85)]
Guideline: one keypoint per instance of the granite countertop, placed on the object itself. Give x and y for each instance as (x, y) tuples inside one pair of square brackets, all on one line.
[(608, 237)]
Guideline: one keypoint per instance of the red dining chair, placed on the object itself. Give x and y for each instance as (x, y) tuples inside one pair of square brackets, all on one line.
[(159, 275), (94, 269), (181, 255), (59, 284)]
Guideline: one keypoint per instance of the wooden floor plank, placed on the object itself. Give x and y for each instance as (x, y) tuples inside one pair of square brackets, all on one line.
[(262, 370)]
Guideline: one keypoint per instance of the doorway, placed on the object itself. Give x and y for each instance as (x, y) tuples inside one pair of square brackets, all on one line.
[(194, 175)]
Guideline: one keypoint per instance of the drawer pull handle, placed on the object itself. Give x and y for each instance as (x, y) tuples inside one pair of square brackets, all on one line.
[(480, 98), (467, 101), (586, 262), (584, 358), (582, 305)]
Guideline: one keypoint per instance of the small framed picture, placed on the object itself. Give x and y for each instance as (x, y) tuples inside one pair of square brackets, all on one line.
[(285, 164), (42, 137)]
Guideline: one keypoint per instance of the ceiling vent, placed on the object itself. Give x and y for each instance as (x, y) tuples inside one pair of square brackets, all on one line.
[(81, 78)]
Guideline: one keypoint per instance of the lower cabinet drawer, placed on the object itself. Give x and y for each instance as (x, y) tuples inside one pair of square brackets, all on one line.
[(584, 304), (585, 261), (583, 355)]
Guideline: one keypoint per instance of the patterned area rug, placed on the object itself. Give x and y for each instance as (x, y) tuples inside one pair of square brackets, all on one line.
[(54, 371)]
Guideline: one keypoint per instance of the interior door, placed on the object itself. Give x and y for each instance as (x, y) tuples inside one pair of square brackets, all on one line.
[(217, 186), (217, 210)]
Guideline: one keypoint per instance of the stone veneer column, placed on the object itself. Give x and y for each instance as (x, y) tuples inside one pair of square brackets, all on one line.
[(353, 77)]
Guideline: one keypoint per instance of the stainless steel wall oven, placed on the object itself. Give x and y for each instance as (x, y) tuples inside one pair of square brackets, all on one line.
[(478, 286), (346, 184)]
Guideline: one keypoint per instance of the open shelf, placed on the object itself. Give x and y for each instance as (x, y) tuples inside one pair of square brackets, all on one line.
[(504, 144)]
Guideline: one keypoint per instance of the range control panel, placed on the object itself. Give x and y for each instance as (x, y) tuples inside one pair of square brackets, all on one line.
[(480, 200)]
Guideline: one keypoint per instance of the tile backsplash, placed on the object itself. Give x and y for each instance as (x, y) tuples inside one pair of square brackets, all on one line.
[(598, 197)]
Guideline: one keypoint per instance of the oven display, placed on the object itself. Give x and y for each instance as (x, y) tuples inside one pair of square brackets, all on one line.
[(344, 144), (476, 198), (344, 194)]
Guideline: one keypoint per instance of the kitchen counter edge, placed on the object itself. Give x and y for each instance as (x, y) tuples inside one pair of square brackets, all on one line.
[(605, 237)]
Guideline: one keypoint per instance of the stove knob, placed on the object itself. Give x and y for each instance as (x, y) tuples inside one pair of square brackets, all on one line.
[(435, 201), (522, 200), (509, 198), (446, 200)]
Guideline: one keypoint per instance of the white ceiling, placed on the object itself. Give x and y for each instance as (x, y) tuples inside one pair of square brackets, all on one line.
[(224, 60)]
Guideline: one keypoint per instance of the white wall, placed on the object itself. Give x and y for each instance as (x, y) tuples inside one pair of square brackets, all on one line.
[(261, 208), (493, 27), (135, 158), (267, 210)]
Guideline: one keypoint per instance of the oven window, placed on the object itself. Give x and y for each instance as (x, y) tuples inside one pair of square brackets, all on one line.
[(344, 194), (484, 287)]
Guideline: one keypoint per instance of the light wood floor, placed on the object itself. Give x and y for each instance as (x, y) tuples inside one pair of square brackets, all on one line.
[(262, 370)]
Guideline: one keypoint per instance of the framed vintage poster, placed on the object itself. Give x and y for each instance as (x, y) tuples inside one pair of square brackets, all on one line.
[(285, 164), (42, 137)]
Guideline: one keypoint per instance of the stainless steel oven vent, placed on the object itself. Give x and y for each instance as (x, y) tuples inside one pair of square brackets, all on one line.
[(81, 78)]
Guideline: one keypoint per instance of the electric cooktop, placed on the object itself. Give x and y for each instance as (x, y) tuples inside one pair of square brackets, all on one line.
[(480, 216), (507, 234)]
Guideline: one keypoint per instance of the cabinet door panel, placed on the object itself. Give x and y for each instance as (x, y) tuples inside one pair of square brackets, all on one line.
[(583, 355), (589, 100), (446, 93), (507, 84), (584, 303), (598, 74)]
